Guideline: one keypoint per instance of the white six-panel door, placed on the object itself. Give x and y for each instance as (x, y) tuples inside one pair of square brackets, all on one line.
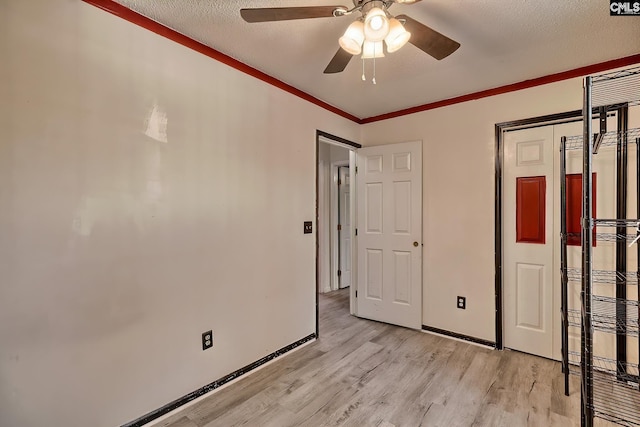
[(389, 239), (528, 262)]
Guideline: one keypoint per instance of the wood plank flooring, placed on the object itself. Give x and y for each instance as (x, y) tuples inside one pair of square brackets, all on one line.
[(363, 373)]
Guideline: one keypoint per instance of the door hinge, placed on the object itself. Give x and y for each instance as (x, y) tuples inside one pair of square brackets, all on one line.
[(356, 231), (339, 273), (356, 294), (339, 227), (339, 181), (356, 169)]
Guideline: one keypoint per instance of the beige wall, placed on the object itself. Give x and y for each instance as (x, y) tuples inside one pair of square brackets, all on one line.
[(147, 194), (458, 194)]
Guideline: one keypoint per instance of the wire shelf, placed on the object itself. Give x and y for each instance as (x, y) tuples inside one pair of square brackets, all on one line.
[(626, 371), (609, 139), (614, 399), (607, 237), (612, 237), (574, 318), (633, 71), (614, 419), (606, 365), (616, 87), (574, 363), (603, 276), (616, 222), (610, 387), (604, 318)]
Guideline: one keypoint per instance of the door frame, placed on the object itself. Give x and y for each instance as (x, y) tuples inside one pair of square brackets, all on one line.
[(335, 220), (500, 129), (327, 138)]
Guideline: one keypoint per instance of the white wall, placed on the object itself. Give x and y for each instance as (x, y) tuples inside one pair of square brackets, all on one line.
[(324, 217), (458, 195), (147, 194)]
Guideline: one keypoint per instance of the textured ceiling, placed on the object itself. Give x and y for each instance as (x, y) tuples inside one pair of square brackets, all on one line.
[(503, 42)]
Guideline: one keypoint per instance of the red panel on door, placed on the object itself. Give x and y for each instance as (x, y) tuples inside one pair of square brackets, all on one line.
[(530, 209), (574, 207)]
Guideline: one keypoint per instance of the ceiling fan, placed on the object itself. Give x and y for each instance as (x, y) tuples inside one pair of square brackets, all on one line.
[(366, 35)]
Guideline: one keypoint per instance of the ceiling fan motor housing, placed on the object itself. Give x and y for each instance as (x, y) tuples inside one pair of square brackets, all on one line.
[(365, 6)]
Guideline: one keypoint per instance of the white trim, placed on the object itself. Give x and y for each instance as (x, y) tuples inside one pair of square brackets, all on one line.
[(334, 220), (354, 226), (324, 216)]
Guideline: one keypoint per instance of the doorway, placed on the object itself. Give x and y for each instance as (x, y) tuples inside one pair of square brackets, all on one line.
[(388, 265), (335, 164), (341, 216)]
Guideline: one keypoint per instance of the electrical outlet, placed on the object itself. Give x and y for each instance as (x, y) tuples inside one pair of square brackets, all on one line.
[(207, 340), (462, 302)]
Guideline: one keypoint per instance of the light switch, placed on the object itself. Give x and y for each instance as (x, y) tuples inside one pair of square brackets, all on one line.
[(308, 227)]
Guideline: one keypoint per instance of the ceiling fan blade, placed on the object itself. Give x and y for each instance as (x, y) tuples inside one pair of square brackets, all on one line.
[(339, 62), (268, 14), (428, 40)]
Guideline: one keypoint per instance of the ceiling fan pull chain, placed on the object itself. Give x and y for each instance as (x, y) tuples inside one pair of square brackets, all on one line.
[(373, 80), (364, 78)]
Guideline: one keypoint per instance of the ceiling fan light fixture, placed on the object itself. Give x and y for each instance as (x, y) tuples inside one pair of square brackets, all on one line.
[(397, 36), (376, 25), (372, 50), (353, 38)]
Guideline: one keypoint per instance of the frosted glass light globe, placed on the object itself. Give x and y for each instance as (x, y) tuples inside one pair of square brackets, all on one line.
[(376, 25), (397, 36), (353, 38)]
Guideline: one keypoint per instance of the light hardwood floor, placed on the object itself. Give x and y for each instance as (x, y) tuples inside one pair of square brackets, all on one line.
[(363, 373)]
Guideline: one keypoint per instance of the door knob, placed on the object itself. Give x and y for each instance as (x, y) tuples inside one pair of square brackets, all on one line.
[(415, 244)]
